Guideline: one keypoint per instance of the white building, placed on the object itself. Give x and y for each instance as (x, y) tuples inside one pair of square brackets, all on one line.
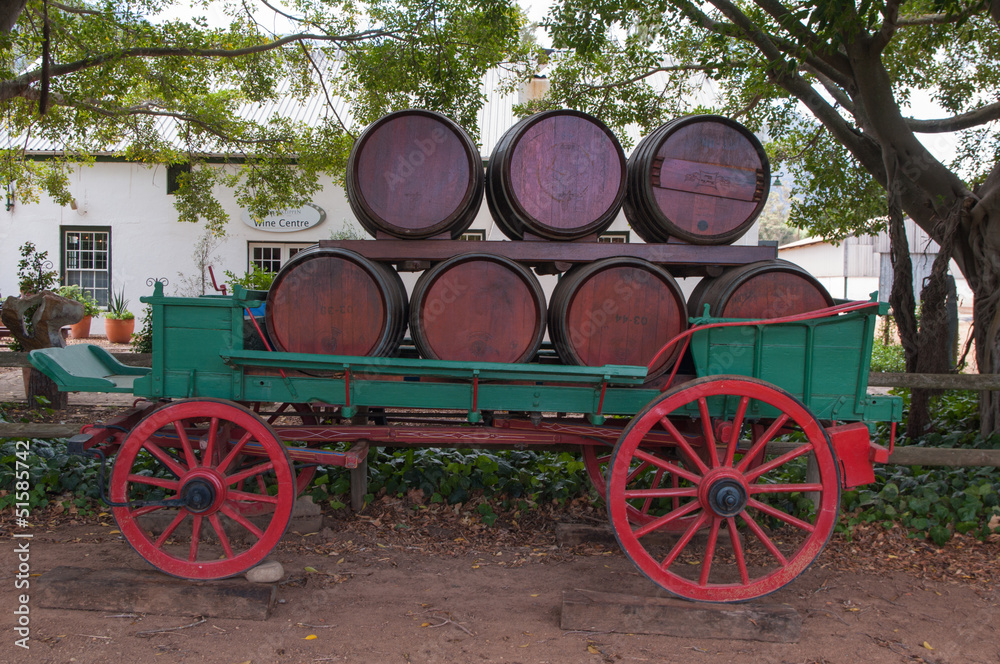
[(861, 265)]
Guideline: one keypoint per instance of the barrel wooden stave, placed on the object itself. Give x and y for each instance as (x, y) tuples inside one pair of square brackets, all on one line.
[(559, 175), (415, 174), (758, 291), (336, 302), (703, 179), (616, 311), (478, 307)]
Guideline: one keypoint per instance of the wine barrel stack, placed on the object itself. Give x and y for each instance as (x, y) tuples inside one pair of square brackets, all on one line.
[(557, 176)]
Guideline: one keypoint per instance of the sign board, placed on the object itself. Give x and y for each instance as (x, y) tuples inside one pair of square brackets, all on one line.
[(287, 221)]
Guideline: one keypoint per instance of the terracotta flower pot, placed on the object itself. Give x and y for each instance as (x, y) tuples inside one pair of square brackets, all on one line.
[(81, 330), (119, 331)]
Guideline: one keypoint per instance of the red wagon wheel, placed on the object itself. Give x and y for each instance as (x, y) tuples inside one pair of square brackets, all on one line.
[(194, 454), (741, 495)]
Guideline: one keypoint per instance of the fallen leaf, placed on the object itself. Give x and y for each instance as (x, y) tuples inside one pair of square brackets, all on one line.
[(114, 532), (928, 646), (536, 595), (311, 637), (425, 624), (593, 651)]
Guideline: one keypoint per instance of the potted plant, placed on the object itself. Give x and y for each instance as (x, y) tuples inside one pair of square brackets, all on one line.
[(119, 322), (80, 330)]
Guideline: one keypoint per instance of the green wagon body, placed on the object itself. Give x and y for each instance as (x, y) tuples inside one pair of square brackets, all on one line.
[(198, 352)]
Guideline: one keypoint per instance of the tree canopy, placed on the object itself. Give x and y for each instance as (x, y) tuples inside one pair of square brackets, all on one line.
[(833, 84), (135, 79)]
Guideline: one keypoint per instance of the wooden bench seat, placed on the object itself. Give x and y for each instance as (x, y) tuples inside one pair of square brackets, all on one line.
[(85, 368)]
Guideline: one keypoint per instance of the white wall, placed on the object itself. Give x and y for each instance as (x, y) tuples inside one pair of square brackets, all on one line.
[(146, 240)]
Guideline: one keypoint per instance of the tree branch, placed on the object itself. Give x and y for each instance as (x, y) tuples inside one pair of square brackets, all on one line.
[(864, 149), (647, 74), (833, 89), (968, 120), (175, 52), (75, 10), (890, 14)]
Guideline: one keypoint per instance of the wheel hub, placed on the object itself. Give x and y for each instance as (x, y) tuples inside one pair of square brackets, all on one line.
[(202, 491), (198, 495), (727, 497)]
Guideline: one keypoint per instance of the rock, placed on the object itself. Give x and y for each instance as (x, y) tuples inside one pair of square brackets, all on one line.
[(269, 571), (305, 506)]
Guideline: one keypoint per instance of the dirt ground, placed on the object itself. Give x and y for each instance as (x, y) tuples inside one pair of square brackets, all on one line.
[(397, 584)]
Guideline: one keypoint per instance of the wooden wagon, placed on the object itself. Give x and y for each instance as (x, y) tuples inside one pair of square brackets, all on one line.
[(705, 477)]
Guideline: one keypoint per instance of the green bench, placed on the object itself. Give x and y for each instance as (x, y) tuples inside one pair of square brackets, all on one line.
[(85, 368)]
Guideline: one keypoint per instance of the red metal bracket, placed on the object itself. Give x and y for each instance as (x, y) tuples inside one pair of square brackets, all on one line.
[(222, 288)]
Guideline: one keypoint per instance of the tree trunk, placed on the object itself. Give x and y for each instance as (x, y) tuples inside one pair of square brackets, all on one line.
[(935, 347), (40, 385)]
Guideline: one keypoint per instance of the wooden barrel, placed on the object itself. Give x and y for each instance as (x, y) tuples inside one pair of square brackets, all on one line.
[(703, 179), (336, 302), (559, 175), (766, 289), (415, 174), (616, 311), (478, 307)]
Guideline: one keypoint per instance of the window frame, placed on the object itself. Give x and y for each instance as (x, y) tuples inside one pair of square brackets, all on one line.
[(610, 237), (284, 247), (64, 269)]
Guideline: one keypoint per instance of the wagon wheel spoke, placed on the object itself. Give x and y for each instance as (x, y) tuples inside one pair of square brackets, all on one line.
[(169, 530), (648, 502), (173, 485), (760, 444), (192, 462), (242, 520), (754, 474), (683, 541), (779, 514), (784, 488), (195, 538), (656, 492), (234, 452), (734, 438), (208, 457), (249, 472), (173, 464), (762, 536), (706, 564), (741, 561), (667, 466), (706, 430), (234, 494), (220, 532), (147, 509), (684, 445), (656, 524)]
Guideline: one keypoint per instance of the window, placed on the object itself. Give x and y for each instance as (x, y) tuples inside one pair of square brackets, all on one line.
[(473, 235), (614, 237), (86, 260), (270, 256)]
